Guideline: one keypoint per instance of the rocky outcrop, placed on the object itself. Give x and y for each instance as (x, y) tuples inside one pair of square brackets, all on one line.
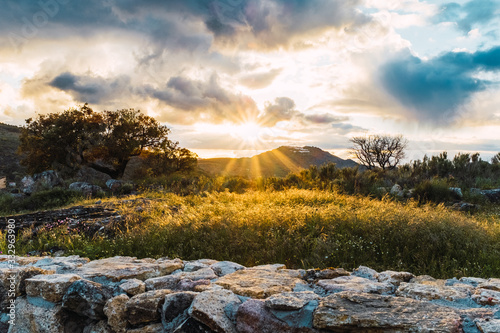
[(130, 295)]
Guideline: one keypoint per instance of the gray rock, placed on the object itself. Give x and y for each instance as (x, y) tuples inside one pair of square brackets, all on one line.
[(146, 307), (47, 179), (431, 292), (99, 327), (222, 268), (457, 191), (114, 184), (87, 298), (31, 318), (366, 272), (85, 188), (89, 175), (209, 308), (397, 190), (350, 311), (116, 311), (175, 309), (194, 266), (493, 284), (133, 286), (488, 325), (291, 301), (355, 283), (27, 185), (394, 278), (50, 287)]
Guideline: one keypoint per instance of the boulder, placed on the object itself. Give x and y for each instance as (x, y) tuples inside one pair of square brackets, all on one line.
[(146, 307), (153, 328), (47, 179), (89, 175), (394, 278), (457, 191), (61, 264), (493, 284), (133, 286), (488, 325), (486, 297), (465, 207), (114, 184), (261, 282), (209, 308), (31, 318), (351, 311), (329, 273), (365, 272), (116, 311), (355, 283), (98, 327), (397, 190), (181, 280), (50, 287), (222, 268), (431, 292), (291, 301), (85, 188), (27, 185), (87, 298), (194, 266), (492, 195)]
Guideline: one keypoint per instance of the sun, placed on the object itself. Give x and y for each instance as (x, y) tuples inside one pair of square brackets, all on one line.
[(249, 133)]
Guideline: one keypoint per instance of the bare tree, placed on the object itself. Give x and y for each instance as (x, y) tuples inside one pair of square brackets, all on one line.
[(382, 151)]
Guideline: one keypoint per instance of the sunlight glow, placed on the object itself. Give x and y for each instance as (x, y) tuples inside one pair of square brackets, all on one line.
[(248, 133)]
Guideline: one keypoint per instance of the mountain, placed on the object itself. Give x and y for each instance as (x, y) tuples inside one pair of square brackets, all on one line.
[(9, 160), (277, 162)]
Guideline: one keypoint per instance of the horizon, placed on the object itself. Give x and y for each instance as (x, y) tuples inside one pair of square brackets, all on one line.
[(234, 78)]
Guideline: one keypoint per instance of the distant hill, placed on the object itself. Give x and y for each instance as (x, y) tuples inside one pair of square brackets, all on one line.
[(9, 160), (277, 162)]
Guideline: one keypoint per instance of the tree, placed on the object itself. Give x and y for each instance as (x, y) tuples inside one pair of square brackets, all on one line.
[(382, 151), (104, 141)]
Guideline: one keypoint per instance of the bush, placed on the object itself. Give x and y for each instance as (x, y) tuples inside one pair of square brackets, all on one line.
[(46, 199), (437, 191)]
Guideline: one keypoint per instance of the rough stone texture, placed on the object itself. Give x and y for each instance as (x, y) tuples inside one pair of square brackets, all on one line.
[(145, 308), (486, 297), (50, 287), (99, 327), (133, 286), (47, 179), (291, 301), (61, 264), (365, 272), (181, 280), (18, 275), (377, 313), (488, 325), (222, 268), (175, 309), (194, 266), (87, 298), (493, 284), (355, 283), (312, 275), (431, 292), (209, 308), (116, 311), (31, 318), (253, 316), (394, 278), (119, 268), (153, 328), (261, 282), (85, 188), (89, 175)]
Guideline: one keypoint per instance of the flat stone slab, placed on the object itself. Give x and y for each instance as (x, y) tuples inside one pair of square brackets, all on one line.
[(261, 282), (119, 268), (431, 292), (291, 301), (50, 287), (356, 284), (350, 311)]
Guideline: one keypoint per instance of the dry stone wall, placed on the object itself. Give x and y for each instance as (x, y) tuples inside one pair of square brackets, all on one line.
[(129, 295)]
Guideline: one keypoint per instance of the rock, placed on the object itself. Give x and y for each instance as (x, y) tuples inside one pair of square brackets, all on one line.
[(492, 195), (190, 285), (457, 191), (465, 207), (193, 266), (355, 283), (182, 280), (27, 185), (175, 309), (351, 311), (163, 282), (291, 301), (119, 268), (61, 264), (99, 327), (192, 326), (87, 298), (253, 316), (89, 175), (430, 292), (146, 307), (153, 328), (394, 278), (486, 297), (31, 318), (85, 188), (493, 284), (473, 281), (366, 272), (114, 184), (47, 179), (397, 190), (222, 268), (316, 274), (50, 287), (209, 308), (488, 325), (428, 280), (260, 283), (133, 286), (116, 312)]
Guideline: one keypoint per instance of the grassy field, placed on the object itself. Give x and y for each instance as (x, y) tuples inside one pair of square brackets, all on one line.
[(301, 228)]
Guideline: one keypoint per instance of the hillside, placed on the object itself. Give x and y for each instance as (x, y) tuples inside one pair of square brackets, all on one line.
[(9, 160), (277, 162)]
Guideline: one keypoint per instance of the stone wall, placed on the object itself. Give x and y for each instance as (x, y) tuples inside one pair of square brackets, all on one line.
[(124, 294)]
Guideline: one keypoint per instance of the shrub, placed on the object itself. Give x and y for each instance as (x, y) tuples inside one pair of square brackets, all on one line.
[(435, 191)]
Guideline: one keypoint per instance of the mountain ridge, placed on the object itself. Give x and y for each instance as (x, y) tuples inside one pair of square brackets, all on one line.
[(278, 162)]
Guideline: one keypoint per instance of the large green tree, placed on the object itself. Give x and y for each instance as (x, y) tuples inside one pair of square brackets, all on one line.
[(104, 141)]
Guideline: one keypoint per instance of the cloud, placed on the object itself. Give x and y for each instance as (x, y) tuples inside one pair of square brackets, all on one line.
[(260, 80), (469, 15), (282, 109), (437, 90), (324, 118)]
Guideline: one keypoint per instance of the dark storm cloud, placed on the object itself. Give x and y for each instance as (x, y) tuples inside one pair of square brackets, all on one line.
[(473, 13), (91, 89), (169, 22), (436, 89)]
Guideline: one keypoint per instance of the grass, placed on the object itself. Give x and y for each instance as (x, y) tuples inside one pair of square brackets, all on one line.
[(301, 228)]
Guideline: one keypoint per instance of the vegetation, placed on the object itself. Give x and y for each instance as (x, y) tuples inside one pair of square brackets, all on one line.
[(383, 151), (301, 228), (9, 141), (104, 141)]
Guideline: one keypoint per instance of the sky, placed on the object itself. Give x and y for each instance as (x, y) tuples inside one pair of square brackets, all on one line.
[(237, 77)]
